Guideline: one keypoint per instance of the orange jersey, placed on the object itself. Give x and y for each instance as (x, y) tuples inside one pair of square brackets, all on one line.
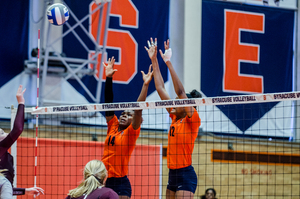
[(118, 148), (182, 136)]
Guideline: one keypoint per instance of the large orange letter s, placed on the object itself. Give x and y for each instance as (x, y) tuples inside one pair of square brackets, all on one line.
[(236, 52), (117, 39)]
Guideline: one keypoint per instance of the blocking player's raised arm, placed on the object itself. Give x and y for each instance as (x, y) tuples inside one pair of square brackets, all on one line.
[(158, 80), (6, 140), (178, 87), (137, 117), (108, 92)]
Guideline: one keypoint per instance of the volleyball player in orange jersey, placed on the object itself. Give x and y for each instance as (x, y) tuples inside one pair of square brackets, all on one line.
[(183, 131), (121, 135)]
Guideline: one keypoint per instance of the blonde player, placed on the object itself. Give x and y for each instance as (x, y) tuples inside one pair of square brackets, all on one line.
[(92, 186)]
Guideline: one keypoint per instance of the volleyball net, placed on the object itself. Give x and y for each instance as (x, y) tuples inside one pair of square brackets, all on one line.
[(246, 146)]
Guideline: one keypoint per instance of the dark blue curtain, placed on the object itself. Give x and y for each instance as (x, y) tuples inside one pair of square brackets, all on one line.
[(13, 38)]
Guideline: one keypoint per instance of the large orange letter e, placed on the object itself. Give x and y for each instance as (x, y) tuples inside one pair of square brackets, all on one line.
[(236, 52)]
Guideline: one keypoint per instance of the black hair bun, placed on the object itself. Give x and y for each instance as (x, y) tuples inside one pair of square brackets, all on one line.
[(195, 94)]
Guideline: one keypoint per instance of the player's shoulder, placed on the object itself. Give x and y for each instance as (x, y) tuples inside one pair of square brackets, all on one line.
[(113, 119), (172, 116), (69, 197), (131, 129), (195, 115), (113, 122), (107, 193)]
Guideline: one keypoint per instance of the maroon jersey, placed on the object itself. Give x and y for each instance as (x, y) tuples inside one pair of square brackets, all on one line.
[(6, 160), (100, 193)]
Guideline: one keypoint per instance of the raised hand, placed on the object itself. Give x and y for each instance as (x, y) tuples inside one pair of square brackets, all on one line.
[(147, 77), (109, 68), (152, 50), (20, 95), (34, 191), (168, 52)]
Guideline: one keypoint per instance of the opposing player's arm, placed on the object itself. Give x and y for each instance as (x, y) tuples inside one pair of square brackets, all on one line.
[(137, 117), (108, 92), (158, 80), (19, 120), (36, 191)]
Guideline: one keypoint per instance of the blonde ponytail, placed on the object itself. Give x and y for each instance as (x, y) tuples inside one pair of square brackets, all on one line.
[(94, 174)]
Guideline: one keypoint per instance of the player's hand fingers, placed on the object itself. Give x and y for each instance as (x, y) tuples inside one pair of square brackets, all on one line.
[(149, 45), (150, 68), (161, 54)]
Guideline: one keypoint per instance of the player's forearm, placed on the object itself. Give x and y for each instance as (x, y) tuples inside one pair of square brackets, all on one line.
[(18, 124), (137, 118), (108, 94), (178, 87), (143, 94), (158, 80)]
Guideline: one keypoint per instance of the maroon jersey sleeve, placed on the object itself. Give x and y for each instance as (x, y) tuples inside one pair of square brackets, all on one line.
[(18, 191), (6, 160), (15, 132)]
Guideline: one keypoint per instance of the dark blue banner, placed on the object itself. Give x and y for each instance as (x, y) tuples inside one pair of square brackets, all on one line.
[(247, 50), (13, 38)]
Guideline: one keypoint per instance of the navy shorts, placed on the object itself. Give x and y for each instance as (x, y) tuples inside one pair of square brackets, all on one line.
[(182, 179), (121, 185)]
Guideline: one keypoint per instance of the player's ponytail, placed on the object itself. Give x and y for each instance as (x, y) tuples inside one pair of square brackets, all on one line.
[(194, 94), (94, 176)]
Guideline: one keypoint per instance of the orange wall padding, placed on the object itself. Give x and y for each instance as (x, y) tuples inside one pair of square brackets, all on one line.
[(61, 163)]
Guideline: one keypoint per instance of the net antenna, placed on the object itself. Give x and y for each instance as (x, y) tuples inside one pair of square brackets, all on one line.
[(77, 67), (37, 105)]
